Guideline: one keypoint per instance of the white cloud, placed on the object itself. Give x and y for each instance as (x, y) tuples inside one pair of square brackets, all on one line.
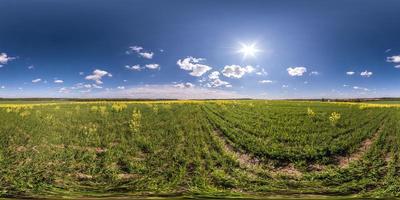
[(184, 85), (81, 73), (314, 73), (31, 67), (285, 86), (58, 81), (136, 49), (147, 55), (218, 83), (262, 72), (36, 80), (194, 65), (2, 87), (215, 81), (133, 67), (265, 81), (4, 58), (87, 86), (350, 73), (236, 71), (397, 66), (140, 52), (366, 74), (63, 90), (121, 87), (360, 88), (214, 75), (97, 75), (393, 59), (296, 71), (77, 86), (96, 86), (153, 66)]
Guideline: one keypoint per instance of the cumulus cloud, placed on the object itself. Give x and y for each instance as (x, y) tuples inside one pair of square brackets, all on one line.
[(296, 71), (366, 74), (31, 67), (194, 65), (4, 58), (393, 59), (236, 71), (397, 66), (121, 87), (153, 66), (148, 55), (36, 80), (265, 81), (140, 51), (184, 85), (133, 67), (214, 75), (97, 75), (350, 73), (58, 81), (215, 81), (218, 83)]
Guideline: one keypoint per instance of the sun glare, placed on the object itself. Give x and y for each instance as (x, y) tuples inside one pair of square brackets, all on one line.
[(248, 50)]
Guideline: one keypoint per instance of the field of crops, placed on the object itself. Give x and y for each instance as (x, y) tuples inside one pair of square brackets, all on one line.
[(199, 148)]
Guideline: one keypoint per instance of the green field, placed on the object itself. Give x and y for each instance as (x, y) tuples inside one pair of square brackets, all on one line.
[(203, 148)]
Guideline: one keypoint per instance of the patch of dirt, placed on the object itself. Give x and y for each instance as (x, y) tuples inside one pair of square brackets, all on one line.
[(127, 176), (388, 157), (316, 167), (22, 149), (344, 161), (288, 170), (82, 176), (251, 162), (243, 158)]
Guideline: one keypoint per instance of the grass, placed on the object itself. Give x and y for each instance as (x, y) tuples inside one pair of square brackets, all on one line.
[(198, 148)]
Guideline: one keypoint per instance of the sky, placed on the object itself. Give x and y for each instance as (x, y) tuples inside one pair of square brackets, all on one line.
[(200, 49)]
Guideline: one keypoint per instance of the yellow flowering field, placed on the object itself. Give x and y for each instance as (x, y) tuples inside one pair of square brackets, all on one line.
[(220, 147)]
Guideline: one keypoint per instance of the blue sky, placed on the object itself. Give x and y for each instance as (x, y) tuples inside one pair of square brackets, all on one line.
[(196, 49)]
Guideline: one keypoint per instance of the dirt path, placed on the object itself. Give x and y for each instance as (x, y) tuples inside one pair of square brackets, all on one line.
[(251, 162), (344, 161)]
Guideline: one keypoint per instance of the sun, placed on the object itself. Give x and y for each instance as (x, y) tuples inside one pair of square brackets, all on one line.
[(248, 50)]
